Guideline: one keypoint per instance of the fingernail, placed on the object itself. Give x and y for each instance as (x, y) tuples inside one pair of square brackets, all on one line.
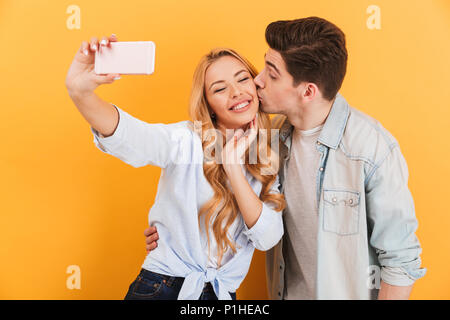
[(86, 52), (94, 47), (103, 42)]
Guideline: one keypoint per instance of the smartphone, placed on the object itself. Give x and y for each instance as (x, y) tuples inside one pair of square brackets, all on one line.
[(126, 57)]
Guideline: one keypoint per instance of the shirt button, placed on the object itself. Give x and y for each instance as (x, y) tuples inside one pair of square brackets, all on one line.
[(321, 169), (350, 201), (318, 143), (334, 200), (281, 267), (279, 294)]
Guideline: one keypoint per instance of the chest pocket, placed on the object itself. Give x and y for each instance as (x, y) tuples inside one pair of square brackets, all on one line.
[(341, 211)]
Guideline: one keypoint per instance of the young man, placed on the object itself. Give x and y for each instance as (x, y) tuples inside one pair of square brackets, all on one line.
[(349, 221)]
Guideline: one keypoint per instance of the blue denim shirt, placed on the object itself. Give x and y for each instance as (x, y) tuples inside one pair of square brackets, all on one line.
[(182, 191), (367, 220)]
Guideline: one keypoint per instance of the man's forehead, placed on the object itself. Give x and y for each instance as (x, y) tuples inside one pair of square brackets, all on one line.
[(273, 58), (272, 54)]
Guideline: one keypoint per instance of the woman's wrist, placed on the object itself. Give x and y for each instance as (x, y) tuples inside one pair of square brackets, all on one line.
[(232, 169)]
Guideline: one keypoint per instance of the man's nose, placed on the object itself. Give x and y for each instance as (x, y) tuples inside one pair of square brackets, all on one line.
[(258, 81)]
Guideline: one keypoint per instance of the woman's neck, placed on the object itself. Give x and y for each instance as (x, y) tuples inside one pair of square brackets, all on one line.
[(224, 129)]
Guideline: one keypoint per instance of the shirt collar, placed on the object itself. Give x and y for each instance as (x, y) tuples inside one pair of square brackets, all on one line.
[(333, 128)]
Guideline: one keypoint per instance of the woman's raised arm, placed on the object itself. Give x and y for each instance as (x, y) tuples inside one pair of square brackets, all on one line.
[(81, 81)]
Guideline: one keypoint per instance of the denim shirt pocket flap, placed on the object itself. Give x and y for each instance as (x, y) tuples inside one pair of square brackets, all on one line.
[(337, 197), (341, 211)]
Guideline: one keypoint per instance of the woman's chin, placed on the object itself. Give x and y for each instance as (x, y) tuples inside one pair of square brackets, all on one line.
[(240, 120), (244, 120)]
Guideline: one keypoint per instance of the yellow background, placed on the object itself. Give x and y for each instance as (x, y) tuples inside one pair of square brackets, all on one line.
[(63, 202)]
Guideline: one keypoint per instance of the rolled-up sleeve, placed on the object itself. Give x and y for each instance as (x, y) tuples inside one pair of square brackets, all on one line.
[(268, 229), (139, 143), (391, 216), (396, 276)]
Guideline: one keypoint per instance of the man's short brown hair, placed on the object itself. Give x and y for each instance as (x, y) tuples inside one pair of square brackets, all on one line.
[(313, 50)]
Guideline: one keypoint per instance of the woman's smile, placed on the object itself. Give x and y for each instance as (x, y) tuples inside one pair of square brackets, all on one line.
[(241, 106)]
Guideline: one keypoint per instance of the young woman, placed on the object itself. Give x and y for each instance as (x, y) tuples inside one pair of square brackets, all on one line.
[(210, 210)]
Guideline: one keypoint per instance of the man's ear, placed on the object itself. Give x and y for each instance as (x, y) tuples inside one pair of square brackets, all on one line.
[(310, 91)]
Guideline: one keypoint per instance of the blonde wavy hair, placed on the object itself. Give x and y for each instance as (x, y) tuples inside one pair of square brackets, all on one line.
[(222, 208)]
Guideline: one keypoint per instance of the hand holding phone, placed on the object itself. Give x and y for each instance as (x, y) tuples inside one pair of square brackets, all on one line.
[(81, 78), (126, 57)]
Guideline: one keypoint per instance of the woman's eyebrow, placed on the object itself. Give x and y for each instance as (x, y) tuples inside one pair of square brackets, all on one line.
[(239, 72), (236, 74)]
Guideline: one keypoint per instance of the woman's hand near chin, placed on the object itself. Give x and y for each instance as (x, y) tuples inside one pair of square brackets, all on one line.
[(235, 148), (249, 203)]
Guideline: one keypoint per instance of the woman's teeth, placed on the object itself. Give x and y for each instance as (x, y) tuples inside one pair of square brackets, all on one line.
[(240, 106)]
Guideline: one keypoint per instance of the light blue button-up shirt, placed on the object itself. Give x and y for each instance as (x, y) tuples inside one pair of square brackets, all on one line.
[(182, 191)]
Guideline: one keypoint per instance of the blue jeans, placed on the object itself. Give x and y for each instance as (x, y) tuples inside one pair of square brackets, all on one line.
[(154, 286)]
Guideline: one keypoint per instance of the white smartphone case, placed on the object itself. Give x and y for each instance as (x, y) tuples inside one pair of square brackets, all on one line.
[(126, 57)]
